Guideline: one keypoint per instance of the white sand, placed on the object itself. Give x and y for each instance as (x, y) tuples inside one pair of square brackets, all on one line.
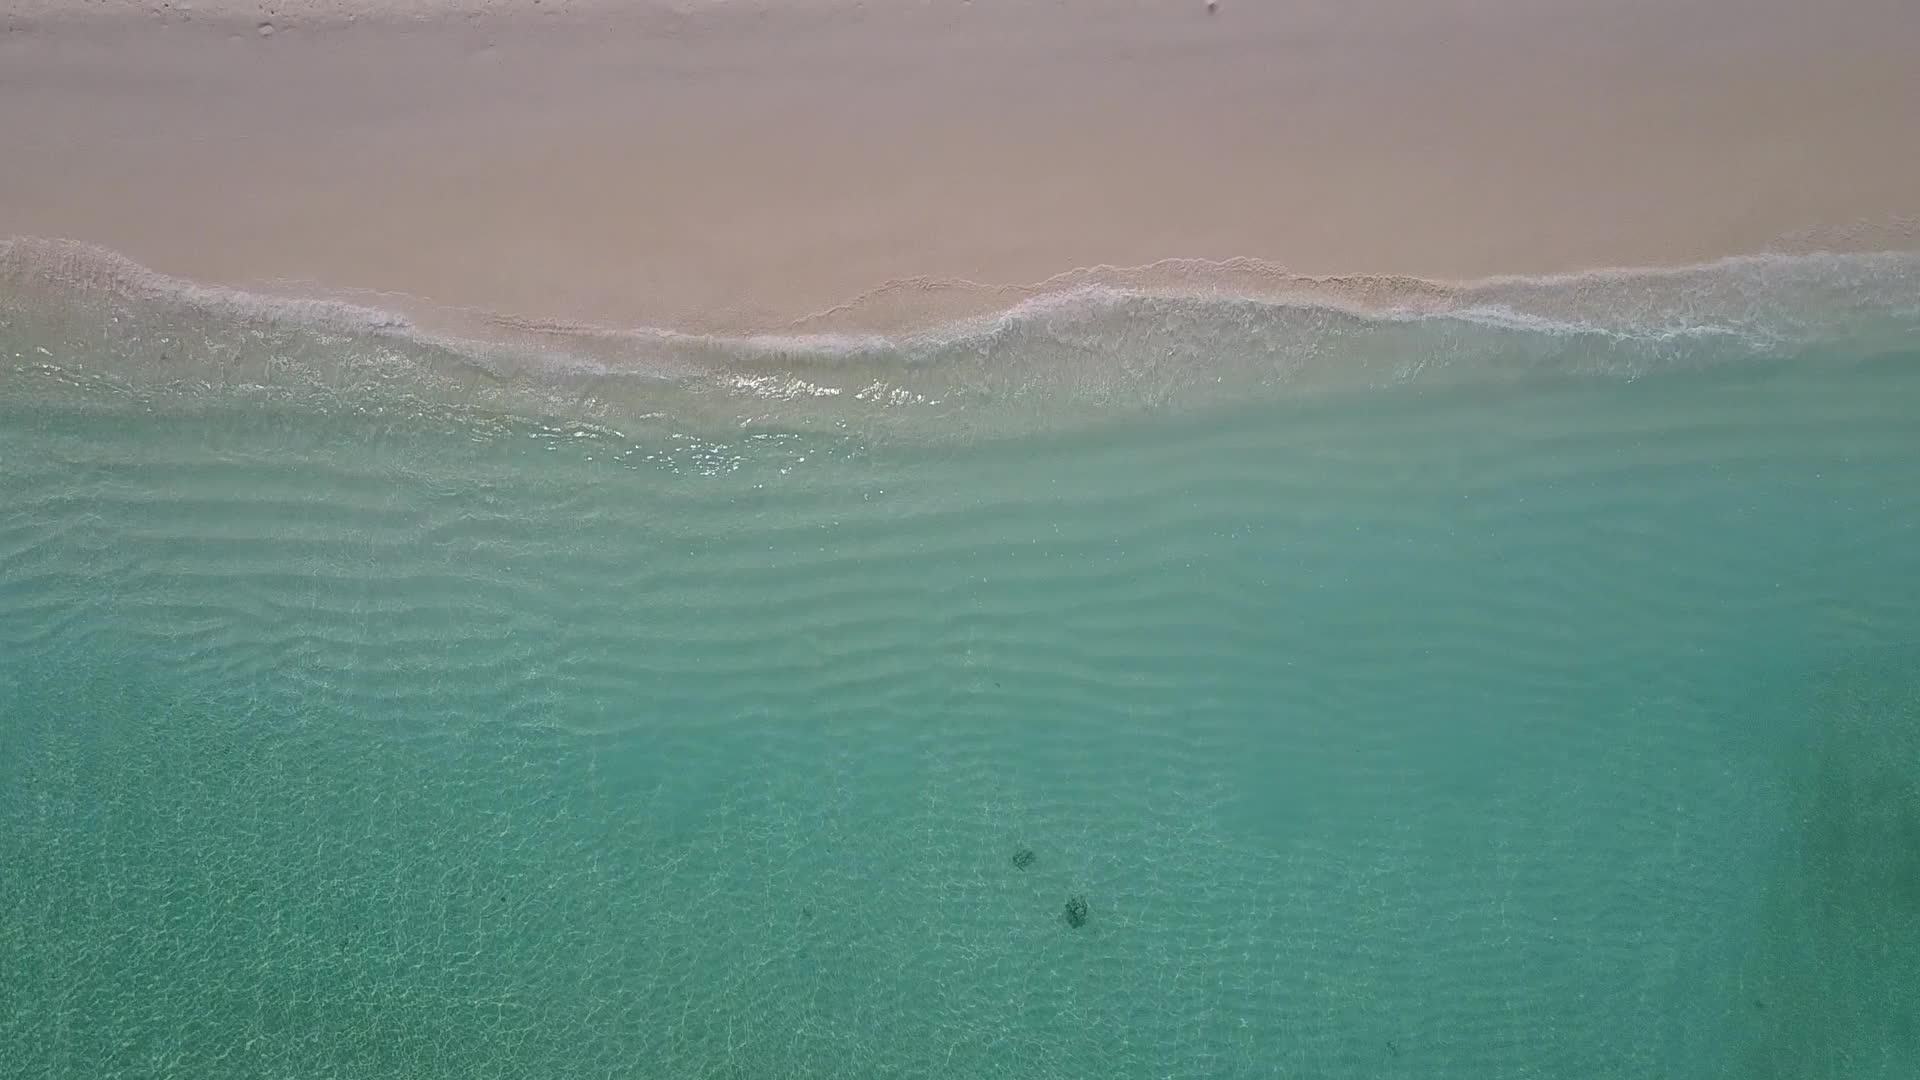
[(725, 165)]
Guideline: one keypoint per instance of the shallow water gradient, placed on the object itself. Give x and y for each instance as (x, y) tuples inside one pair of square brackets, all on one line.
[(1564, 727)]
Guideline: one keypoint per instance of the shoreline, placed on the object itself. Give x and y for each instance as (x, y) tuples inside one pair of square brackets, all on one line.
[(91, 328), (1766, 298), (826, 167)]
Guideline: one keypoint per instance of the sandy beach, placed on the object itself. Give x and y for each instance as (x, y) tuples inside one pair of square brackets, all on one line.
[(749, 167)]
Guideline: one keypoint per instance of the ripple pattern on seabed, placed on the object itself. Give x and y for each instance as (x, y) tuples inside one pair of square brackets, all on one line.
[(1477, 730)]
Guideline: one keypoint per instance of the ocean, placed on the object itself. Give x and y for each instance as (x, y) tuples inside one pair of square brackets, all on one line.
[(1509, 680)]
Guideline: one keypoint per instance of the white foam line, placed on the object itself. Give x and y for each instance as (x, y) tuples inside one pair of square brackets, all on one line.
[(90, 267)]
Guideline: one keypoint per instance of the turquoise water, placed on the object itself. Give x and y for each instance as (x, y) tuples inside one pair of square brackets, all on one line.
[(1553, 717)]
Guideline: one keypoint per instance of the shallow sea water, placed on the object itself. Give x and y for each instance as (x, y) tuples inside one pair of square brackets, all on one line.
[(1565, 724)]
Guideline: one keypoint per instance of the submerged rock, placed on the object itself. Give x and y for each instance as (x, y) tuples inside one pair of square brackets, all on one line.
[(1077, 912)]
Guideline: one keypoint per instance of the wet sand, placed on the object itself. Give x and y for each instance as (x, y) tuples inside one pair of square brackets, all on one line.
[(737, 167)]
